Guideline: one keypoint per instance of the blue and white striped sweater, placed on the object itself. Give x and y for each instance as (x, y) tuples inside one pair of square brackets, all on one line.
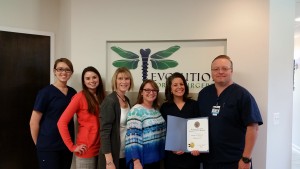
[(145, 137)]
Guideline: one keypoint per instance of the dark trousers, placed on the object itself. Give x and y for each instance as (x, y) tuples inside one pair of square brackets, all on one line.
[(55, 159), (184, 168), (233, 165), (122, 163), (155, 165), (169, 166)]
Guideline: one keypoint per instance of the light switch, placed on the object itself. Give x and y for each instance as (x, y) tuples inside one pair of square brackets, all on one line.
[(276, 117)]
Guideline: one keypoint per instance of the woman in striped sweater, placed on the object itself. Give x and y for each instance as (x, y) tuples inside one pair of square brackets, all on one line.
[(146, 129)]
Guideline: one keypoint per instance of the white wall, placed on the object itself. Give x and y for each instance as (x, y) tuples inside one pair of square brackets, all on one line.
[(44, 17), (63, 33), (30, 14), (296, 97), (280, 85), (243, 23), (257, 31)]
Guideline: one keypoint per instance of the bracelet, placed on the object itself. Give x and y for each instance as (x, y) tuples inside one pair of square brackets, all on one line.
[(109, 163)]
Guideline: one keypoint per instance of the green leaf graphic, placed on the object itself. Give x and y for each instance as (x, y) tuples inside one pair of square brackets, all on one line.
[(130, 64), (165, 53), (163, 64), (124, 53)]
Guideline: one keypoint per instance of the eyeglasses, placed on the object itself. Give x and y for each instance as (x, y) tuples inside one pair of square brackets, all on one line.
[(60, 70), (148, 91), (217, 69)]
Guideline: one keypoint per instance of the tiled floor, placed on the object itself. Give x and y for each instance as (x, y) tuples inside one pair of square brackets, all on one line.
[(295, 160)]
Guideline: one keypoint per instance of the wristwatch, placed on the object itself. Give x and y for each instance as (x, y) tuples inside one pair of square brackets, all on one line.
[(246, 160)]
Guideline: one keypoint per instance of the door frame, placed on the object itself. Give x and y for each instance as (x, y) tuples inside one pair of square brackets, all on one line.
[(36, 32)]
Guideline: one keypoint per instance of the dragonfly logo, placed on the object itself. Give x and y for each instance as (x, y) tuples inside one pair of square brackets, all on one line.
[(158, 59)]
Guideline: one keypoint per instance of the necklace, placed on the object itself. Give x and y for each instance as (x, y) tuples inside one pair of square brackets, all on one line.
[(124, 100)]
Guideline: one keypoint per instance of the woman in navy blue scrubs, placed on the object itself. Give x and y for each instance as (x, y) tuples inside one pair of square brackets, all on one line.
[(178, 104), (50, 103)]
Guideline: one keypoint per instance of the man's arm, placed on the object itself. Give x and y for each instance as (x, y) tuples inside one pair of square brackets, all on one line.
[(250, 139), (251, 135)]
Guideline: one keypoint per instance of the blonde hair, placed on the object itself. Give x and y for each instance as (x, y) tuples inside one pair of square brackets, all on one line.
[(117, 72)]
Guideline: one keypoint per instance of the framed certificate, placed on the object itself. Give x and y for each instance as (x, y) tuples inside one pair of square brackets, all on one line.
[(197, 134), (187, 134)]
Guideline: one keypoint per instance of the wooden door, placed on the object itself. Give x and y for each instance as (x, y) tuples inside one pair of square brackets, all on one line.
[(24, 69)]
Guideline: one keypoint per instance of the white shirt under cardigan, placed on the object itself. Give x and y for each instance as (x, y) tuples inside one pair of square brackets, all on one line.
[(124, 112)]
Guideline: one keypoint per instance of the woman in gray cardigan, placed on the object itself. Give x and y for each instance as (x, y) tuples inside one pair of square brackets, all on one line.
[(113, 113)]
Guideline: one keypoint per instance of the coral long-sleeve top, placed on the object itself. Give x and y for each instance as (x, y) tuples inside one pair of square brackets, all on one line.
[(88, 126)]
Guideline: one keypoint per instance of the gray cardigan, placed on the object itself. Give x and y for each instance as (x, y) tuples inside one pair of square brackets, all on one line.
[(109, 116)]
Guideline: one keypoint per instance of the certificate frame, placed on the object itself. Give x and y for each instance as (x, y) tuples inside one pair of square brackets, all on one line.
[(198, 134), (177, 134)]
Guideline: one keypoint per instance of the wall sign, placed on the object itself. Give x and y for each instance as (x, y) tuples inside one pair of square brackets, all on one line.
[(157, 60)]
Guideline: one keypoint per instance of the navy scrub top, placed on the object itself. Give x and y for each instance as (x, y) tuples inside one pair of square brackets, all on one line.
[(51, 102), (227, 129)]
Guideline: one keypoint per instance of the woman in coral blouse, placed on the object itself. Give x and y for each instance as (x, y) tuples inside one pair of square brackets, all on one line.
[(86, 106)]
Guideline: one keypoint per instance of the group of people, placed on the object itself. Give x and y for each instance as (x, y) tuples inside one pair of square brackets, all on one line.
[(113, 134)]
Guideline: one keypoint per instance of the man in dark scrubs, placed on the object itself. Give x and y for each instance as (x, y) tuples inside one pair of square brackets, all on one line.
[(234, 119)]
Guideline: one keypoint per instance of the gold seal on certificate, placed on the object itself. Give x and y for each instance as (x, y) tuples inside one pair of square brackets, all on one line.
[(197, 134)]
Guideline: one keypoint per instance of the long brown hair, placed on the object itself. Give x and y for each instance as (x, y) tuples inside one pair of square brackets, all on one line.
[(93, 104)]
